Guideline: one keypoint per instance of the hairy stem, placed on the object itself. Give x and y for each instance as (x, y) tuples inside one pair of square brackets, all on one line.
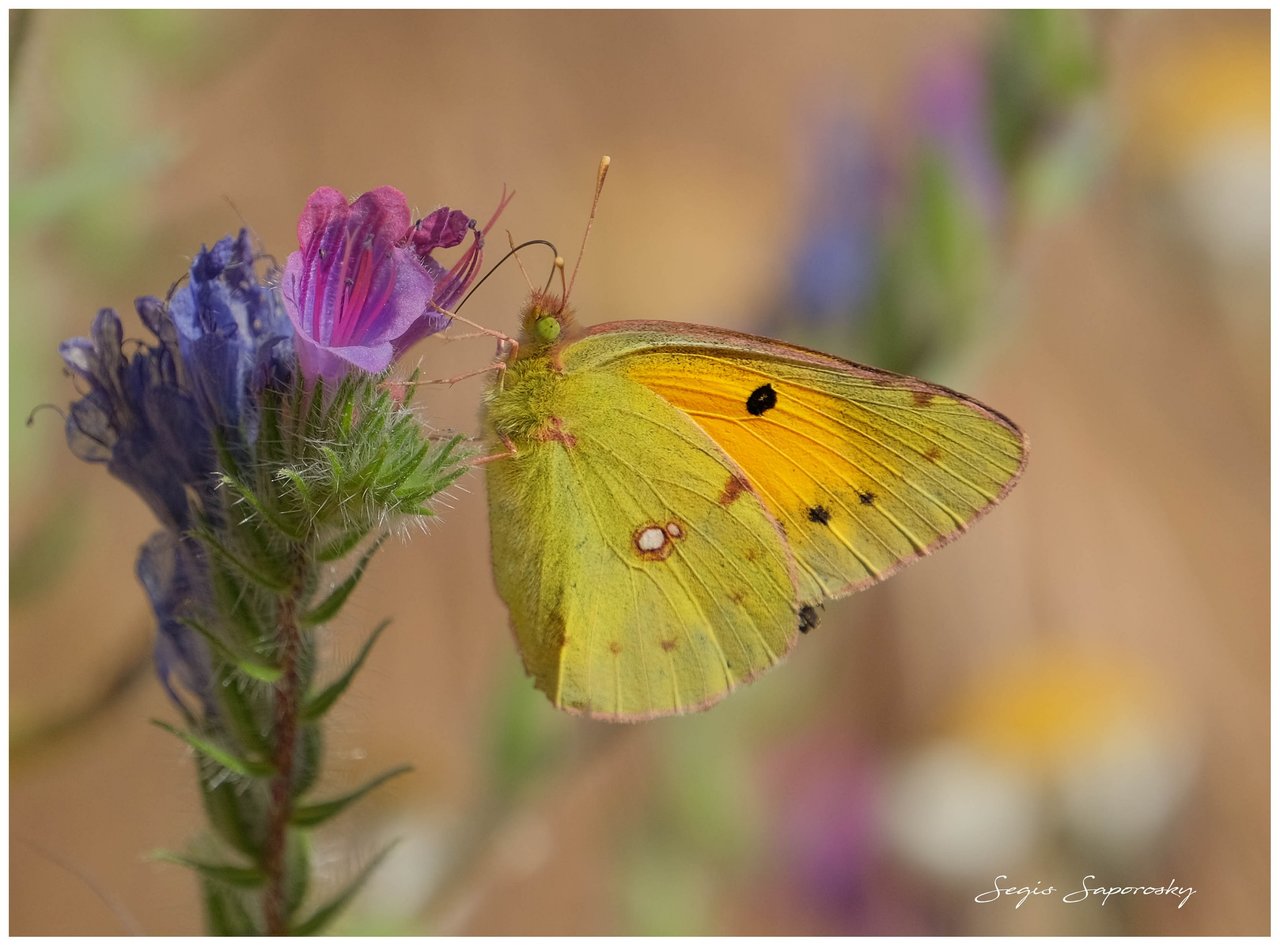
[(288, 701)]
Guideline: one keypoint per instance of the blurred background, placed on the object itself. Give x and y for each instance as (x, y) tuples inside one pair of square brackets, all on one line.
[(1065, 215)]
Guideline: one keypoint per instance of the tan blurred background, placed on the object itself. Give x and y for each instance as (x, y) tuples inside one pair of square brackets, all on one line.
[(1079, 687)]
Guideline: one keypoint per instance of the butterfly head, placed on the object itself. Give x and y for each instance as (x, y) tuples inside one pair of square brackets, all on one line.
[(544, 321)]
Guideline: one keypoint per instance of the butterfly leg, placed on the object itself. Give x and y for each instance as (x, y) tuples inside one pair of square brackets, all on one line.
[(401, 388), (498, 366), (509, 453), (507, 346)]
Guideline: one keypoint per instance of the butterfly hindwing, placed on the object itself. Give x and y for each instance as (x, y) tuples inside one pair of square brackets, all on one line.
[(863, 469), (643, 575)]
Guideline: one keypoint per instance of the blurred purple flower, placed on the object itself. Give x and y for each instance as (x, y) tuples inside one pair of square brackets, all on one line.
[(952, 111), (830, 844), (363, 286), (829, 830), (835, 263)]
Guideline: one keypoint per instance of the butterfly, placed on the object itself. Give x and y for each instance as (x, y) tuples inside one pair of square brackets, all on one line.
[(669, 504)]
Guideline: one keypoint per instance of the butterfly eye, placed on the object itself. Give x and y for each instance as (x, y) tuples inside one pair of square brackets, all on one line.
[(548, 328)]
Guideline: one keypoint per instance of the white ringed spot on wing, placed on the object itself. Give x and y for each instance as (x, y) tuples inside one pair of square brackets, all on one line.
[(655, 542)]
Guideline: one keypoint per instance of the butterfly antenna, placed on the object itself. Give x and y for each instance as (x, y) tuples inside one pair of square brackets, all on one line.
[(512, 243), (595, 202), (510, 253), (557, 266)]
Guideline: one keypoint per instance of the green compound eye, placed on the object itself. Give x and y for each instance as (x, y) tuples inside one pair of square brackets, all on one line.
[(548, 328)]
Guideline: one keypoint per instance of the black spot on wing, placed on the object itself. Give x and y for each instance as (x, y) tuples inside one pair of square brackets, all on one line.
[(808, 619), (820, 515), (762, 399), (867, 499)]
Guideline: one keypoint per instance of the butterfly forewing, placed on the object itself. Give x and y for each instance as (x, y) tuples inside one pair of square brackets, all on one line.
[(863, 469)]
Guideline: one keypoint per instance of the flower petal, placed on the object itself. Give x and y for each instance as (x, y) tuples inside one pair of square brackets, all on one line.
[(354, 287)]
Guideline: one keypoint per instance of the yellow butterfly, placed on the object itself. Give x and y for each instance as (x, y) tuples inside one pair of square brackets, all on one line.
[(668, 503)]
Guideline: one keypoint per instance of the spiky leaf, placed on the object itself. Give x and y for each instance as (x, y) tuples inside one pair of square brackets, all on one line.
[(319, 704), (310, 815)]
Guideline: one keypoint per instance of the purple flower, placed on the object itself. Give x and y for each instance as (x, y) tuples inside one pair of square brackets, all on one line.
[(136, 417), (363, 286), (172, 570), (152, 417), (233, 334), (835, 264), (952, 109)]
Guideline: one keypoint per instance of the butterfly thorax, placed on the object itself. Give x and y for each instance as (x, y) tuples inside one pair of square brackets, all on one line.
[(522, 406)]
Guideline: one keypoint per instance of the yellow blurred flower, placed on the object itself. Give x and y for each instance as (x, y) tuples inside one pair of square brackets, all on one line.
[(1057, 743)]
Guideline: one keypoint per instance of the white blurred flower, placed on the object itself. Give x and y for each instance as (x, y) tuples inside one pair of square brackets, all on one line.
[(959, 813)]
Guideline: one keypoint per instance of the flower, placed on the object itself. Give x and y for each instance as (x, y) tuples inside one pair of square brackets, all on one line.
[(233, 334), (834, 265), (363, 286), (152, 417), (173, 572), (953, 117), (136, 417)]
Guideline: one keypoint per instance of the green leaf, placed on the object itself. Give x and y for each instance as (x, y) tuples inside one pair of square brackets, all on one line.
[(319, 704), (348, 416), (294, 531), (366, 476), (401, 471), (241, 712), (372, 421), (310, 756), (249, 666), (315, 410), (326, 914), (228, 760), (410, 387), (233, 875), (226, 460), (286, 474), (266, 575), (297, 870), (308, 816), (334, 461), (239, 601), (336, 548), (330, 606), (225, 913), (226, 808)]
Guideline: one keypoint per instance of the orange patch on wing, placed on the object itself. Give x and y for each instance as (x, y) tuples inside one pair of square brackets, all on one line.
[(734, 488)]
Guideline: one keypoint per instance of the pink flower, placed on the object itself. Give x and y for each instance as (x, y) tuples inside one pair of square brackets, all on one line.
[(363, 286)]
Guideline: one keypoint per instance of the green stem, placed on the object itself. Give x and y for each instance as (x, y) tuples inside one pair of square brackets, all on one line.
[(286, 716)]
